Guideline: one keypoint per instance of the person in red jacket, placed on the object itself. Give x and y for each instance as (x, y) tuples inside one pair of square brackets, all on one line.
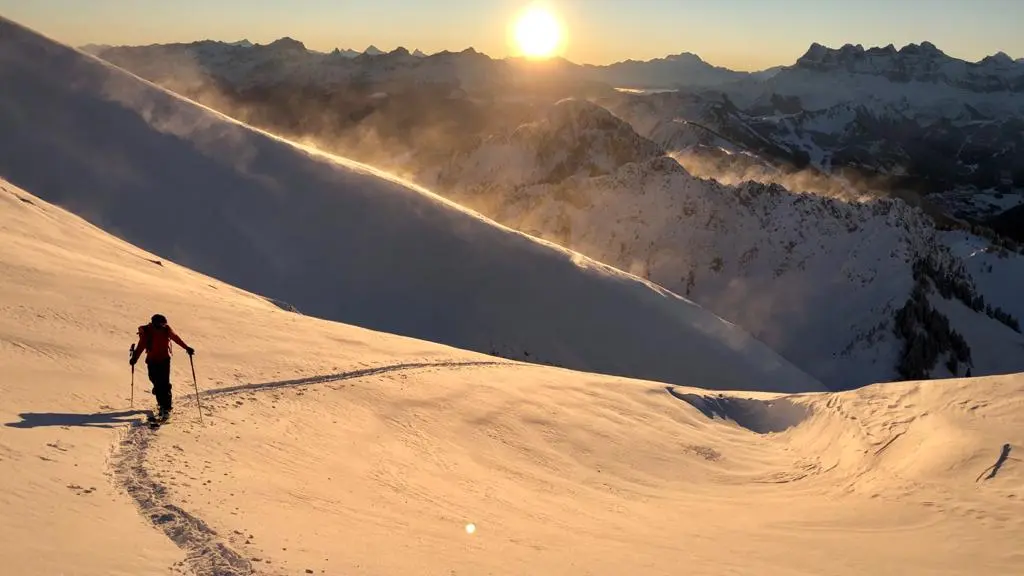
[(155, 338)]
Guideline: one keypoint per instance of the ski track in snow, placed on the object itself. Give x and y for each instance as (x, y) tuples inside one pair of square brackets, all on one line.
[(206, 554)]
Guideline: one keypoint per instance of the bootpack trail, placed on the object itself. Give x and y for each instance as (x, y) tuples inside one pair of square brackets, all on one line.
[(206, 553)]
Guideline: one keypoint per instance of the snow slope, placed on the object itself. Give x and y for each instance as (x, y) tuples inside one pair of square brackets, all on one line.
[(71, 297), (818, 279), (336, 239), (328, 448)]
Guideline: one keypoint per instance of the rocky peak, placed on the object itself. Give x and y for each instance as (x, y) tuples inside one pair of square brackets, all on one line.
[(583, 114), (999, 59), (924, 49), (922, 62), (287, 44), (688, 57)]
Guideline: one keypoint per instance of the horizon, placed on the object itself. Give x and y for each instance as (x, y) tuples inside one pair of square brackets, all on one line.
[(413, 49), (596, 31)]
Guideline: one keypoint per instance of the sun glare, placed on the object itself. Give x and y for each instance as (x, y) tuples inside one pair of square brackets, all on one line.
[(538, 33)]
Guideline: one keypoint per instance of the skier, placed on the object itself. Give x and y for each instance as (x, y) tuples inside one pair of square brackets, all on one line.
[(155, 338)]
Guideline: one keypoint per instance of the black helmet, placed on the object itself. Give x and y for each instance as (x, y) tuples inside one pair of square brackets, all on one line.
[(159, 320)]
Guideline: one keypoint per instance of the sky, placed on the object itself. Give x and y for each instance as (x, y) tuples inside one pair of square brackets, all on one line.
[(739, 34)]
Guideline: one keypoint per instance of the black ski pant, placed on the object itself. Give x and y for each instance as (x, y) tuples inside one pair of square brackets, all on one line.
[(160, 376)]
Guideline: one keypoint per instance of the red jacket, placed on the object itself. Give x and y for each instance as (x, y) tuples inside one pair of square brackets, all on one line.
[(156, 342)]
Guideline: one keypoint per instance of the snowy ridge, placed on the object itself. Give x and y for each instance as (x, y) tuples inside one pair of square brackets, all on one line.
[(818, 279), (339, 240)]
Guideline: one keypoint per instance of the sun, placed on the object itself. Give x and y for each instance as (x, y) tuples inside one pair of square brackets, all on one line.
[(538, 33)]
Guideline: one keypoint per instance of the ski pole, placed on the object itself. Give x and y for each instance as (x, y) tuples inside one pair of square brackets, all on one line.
[(131, 354), (196, 384)]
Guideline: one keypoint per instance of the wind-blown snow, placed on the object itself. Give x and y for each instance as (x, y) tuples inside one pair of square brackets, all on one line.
[(817, 279), (336, 239), (328, 448)]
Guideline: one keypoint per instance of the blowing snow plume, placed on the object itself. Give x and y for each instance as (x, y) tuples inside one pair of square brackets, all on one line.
[(336, 239), (846, 184)]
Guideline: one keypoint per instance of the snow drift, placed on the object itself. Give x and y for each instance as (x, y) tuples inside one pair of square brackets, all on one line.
[(336, 239), (329, 449)]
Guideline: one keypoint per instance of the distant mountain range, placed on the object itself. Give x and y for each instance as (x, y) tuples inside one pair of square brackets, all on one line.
[(245, 43), (941, 129), (923, 62), (620, 162)]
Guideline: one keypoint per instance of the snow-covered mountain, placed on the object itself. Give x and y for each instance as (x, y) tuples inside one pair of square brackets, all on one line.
[(678, 70), (917, 63), (928, 121), (572, 138), (324, 447), (306, 446), (819, 279), (919, 81), (337, 239)]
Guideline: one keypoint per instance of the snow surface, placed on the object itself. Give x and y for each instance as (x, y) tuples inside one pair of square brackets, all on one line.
[(337, 239), (328, 448)]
